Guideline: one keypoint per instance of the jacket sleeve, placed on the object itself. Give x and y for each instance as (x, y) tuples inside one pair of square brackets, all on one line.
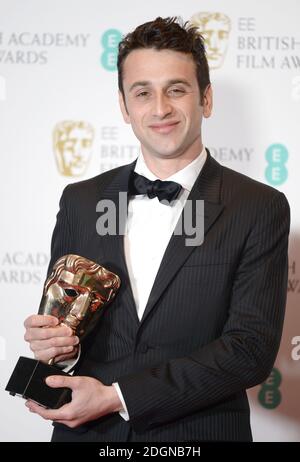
[(244, 354)]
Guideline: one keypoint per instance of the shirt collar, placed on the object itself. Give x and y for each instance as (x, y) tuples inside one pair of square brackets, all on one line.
[(186, 177)]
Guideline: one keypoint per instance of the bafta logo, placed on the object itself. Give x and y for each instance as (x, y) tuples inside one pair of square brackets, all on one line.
[(215, 29), (72, 143)]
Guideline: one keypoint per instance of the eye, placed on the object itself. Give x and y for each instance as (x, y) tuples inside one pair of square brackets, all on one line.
[(71, 292), (223, 34), (207, 34), (142, 94), (176, 91)]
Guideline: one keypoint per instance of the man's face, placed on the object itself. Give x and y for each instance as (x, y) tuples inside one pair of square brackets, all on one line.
[(162, 98)]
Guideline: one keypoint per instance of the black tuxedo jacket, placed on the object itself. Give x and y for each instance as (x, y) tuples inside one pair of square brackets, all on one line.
[(213, 322)]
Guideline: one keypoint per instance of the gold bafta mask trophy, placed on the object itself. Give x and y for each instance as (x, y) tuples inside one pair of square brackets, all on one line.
[(75, 293)]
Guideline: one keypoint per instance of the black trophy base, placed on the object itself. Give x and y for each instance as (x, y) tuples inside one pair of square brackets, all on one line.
[(28, 381)]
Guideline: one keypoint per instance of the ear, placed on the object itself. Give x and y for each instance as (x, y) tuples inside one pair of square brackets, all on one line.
[(207, 101), (123, 108)]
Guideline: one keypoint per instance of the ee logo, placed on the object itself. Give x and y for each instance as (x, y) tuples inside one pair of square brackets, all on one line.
[(276, 171), (110, 41), (270, 396)]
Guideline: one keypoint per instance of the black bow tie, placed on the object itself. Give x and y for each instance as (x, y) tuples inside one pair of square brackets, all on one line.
[(163, 190)]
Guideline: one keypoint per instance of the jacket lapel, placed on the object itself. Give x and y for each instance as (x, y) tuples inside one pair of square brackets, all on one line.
[(112, 245), (207, 188)]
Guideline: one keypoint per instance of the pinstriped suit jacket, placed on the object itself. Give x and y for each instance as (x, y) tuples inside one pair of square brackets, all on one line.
[(213, 322)]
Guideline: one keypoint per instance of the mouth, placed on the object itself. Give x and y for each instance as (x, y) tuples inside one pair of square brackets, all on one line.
[(164, 128), (215, 56)]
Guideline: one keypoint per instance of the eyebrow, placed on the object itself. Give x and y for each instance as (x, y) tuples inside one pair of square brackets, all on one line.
[(144, 83)]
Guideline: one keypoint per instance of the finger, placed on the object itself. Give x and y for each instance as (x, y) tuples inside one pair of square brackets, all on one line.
[(45, 355), (40, 320), (60, 381), (70, 423), (37, 333), (49, 414), (54, 342), (73, 355)]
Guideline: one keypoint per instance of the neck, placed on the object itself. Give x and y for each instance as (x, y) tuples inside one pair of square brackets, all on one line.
[(165, 167)]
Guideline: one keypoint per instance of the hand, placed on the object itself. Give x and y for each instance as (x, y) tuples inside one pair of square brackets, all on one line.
[(48, 340), (90, 400)]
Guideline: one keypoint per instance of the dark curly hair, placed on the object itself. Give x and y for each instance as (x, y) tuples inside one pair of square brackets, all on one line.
[(167, 34)]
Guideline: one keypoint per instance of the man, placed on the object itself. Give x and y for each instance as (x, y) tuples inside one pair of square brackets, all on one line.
[(193, 326)]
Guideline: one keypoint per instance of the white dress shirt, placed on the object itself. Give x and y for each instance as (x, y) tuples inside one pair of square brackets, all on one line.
[(149, 227)]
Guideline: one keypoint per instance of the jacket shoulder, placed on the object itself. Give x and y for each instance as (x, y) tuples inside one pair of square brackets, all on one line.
[(87, 190), (239, 185), (97, 182)]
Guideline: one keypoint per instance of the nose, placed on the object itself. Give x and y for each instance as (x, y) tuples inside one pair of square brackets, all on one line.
[(77, 148), (162, 106), (214, 42)]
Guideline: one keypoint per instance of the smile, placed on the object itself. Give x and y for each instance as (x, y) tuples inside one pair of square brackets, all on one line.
[(164, 128)]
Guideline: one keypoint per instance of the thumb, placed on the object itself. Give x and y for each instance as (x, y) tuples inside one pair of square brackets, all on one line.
[(60, 381)]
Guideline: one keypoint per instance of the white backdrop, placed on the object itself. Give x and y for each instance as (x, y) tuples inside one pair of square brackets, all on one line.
[(57, 63)]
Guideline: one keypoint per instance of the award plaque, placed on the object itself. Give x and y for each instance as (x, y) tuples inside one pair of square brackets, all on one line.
[(75, 293)]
